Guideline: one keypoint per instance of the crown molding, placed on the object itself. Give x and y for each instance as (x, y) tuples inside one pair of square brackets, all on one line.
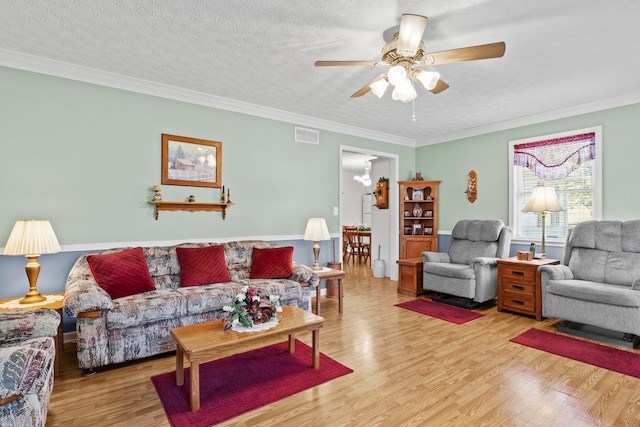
[(590, 107), (66, 70)]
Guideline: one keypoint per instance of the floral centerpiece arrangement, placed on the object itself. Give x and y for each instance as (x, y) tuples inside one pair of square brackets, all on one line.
[(249, 308)]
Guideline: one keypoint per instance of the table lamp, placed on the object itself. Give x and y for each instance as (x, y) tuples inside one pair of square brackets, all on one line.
[(543, 200), (32, 238), (316, 230)]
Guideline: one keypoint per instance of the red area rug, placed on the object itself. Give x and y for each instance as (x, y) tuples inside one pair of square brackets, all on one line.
[(237, 384), (613, 359), (441, 311)]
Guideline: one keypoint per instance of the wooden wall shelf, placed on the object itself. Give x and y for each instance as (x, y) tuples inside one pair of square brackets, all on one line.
[(192, 207)]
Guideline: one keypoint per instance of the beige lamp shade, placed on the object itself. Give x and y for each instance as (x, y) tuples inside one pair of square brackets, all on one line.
[(32, 237), (316, 230), (156, 188), (543, 199)]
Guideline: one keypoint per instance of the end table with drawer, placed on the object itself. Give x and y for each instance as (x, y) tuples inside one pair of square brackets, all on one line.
[(519, 288)]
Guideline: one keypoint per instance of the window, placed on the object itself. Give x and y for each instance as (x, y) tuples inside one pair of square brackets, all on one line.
[(571, 163)]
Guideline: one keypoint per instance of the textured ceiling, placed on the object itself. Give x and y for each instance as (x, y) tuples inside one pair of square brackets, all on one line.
[(560, 54)]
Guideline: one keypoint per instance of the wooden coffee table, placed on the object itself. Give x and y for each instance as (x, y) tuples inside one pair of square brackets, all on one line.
[(203, 342)]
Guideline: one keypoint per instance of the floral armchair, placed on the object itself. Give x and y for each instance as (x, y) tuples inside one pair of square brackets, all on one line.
[(27, 355)]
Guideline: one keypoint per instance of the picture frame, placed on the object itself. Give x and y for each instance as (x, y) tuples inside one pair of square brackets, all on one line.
[(428, 231), (428, 214), (407, 214), (417, 229), (417, 194), (190, 161), (407, 230)]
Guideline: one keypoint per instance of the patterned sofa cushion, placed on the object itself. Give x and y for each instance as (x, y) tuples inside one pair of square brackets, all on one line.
[(146, 308)]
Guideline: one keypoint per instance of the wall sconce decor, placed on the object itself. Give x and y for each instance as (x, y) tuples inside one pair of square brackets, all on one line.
[(472, 186)]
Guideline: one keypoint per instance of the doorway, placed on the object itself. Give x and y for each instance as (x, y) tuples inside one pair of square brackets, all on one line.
[(354, 194)]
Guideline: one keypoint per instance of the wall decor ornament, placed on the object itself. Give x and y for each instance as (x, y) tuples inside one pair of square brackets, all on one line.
[(472, 186), (190, 161)]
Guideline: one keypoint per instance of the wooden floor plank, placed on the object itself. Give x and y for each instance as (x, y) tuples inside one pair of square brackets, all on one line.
[(409, 369)]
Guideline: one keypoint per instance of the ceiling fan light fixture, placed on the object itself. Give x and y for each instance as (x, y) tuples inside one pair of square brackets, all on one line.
[(396, 75), (378, 88), (366, 178), (404, 92), (429, 79)]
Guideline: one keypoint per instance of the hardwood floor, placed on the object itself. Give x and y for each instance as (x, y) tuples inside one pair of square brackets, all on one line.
[(409, 370)]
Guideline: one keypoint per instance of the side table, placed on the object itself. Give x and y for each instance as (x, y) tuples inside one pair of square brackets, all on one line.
[(519, 285), (328, 274), (410, 276), (57, 306)]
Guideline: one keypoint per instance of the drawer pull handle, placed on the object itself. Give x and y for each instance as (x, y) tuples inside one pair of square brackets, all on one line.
[(517, 273), (515, 301), (518, 288)]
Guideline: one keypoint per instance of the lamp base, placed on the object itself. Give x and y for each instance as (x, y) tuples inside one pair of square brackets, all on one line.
[(32, 297), (316, 267)]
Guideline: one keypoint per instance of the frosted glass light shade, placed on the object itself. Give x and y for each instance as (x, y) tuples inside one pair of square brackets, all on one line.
[(379, 87), (397, 75), (428, 79), (32, 237), (404, 92)]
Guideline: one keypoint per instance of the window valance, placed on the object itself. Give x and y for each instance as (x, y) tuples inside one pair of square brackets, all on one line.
[(556, 158)]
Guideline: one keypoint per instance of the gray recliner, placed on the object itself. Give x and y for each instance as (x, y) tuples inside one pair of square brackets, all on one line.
[(467, 275), (598, 283)]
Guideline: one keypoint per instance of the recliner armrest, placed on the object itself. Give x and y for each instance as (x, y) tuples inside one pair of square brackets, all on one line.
[(484, 260), (556, 272), (435, 257)]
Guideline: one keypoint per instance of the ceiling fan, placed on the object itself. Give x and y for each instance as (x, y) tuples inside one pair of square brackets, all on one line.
[(405, 52)]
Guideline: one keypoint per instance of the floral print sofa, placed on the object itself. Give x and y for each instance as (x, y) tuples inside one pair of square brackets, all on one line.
[(111, 331), (27, 355)]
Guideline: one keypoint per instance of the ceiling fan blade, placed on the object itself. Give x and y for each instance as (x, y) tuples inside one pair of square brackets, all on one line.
[(440, 86), (410, 34), (471, 53), (366, 88), (345, 63)]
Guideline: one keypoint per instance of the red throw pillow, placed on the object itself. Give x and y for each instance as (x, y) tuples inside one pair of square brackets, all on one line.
[(272, 263), (123, 273), (202, 266)]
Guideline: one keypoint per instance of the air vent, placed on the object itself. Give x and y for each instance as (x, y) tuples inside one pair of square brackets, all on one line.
[(308, 136)]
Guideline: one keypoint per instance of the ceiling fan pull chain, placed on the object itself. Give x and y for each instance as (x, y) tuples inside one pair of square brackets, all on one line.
[(413, 116)]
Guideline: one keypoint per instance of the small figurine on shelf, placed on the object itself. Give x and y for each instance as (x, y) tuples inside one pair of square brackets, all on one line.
[(222, 195), (157, 197), (192, 198), (418, 177), (228, 196)]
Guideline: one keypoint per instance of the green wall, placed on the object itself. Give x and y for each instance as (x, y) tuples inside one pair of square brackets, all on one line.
[(85, 157), (488, 156)]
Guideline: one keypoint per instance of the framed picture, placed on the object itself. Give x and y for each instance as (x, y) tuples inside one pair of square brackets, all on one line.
[(417, 229), (190, 161), (428, 214), (407, 214), (417, 194), (407, 230), (428, 230)]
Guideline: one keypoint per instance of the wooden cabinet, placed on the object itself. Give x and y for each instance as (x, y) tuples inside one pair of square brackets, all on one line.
[(519, 285), (418, 218), (410, 276)]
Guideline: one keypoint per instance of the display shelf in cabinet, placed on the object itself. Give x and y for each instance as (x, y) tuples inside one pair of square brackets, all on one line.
[(192, 207), (418, 218), (519, 288)]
